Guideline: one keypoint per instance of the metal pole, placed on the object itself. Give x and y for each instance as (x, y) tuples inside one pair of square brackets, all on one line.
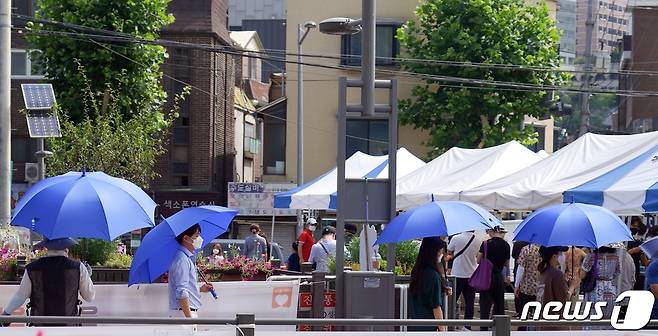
[(246, 324), (369, 26), (392, 165), (340, 202), (502, 325), (584, 109), (41, 158), (317, 288), (5, 112), (300, 109)]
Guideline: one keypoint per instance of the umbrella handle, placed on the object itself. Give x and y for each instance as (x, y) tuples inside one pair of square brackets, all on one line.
[(211, 290)]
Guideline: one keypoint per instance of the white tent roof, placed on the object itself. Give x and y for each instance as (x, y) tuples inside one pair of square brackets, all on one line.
[(544, 182), (543, 154), (320, 193), (406, 163), (459, 169)]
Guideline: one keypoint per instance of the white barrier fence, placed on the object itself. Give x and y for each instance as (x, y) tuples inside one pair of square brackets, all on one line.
[(264, 299)]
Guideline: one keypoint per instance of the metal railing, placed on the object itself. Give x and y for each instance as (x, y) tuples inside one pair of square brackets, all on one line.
[(245, 324)]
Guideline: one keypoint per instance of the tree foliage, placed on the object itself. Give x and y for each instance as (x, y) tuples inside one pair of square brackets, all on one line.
[(107, 142), (133, 69), (478, 31)]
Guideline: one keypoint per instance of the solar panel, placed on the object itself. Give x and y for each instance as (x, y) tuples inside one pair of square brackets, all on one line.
[(38, 96), (43, 124)]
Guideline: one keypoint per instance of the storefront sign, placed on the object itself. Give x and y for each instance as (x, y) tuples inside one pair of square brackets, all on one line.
[(171, 202), (306, 303), (256, 199)]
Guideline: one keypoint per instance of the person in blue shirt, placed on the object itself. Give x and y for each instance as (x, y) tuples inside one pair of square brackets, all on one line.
[(293, 259), (651, 284), (184, 292)]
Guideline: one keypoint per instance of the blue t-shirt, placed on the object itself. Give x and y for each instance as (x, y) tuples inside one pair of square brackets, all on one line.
[(651, 276)]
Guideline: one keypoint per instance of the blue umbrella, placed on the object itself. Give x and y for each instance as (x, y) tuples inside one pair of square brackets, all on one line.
[(573, 224), (650, 247), (84, 205), (159, 246), (439, 218)]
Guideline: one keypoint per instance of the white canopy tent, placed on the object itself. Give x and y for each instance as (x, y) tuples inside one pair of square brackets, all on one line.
[(459, 169), (320, 194), (543, 183)]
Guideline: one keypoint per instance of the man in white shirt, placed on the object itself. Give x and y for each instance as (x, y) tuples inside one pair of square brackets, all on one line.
[(53, 282), (463, 250), (324, 248)]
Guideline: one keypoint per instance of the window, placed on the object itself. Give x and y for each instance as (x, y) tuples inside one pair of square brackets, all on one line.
[(367, 136), (274, 142), (24, 7), (23, 149), (180, 160), (250, 140), (388, 46), (23, 66), (252, 65), (182, 181)]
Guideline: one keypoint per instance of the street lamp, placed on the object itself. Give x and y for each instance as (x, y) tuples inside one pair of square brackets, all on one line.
[(302, 32), (332, 26), (340, 26)]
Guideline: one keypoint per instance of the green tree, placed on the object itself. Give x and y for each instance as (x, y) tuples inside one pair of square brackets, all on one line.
[(478, 31), (133, 69), (601, 106), (108, 142)]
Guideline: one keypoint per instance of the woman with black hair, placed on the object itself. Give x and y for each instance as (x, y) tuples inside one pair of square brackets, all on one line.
[(425, 288), (552, 282), (552, 279)]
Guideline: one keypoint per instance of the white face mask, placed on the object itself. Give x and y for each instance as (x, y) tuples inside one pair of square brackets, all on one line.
[(215, 251), (440, 256), (312, 228), (198, 242)]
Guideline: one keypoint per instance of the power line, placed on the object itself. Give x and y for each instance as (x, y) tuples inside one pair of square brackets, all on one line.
[(439, 78), (341, 57), (224, 99)]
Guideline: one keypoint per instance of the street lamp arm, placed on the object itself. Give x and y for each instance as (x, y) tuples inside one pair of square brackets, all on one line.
[(340, 26)]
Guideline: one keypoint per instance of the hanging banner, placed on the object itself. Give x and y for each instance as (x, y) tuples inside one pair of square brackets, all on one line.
[(256, 199)]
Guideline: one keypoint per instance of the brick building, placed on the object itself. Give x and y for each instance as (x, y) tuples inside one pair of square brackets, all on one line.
[(22, 72), (638, 114), (201, 151)]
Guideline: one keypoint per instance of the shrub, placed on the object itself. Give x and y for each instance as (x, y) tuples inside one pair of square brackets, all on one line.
[(96, 252), (118, 260)]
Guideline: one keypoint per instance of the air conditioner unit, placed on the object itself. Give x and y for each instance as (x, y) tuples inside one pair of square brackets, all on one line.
[(31, 172)]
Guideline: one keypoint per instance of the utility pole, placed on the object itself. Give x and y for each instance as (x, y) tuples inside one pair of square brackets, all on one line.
[(584, 110), (369, 26), (5, 112)]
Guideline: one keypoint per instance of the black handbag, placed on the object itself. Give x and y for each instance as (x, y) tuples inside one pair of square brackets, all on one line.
[(589, 282)]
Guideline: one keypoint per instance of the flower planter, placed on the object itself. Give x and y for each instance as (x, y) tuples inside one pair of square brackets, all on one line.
[(233, 275), (260, 276), (109, 275), (8, 273)]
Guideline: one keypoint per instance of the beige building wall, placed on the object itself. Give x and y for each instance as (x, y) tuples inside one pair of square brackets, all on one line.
[(321, 86)]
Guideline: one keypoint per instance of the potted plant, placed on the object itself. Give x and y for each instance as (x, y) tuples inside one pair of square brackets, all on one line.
[(241, 268), (109, 262), (8, 261)]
